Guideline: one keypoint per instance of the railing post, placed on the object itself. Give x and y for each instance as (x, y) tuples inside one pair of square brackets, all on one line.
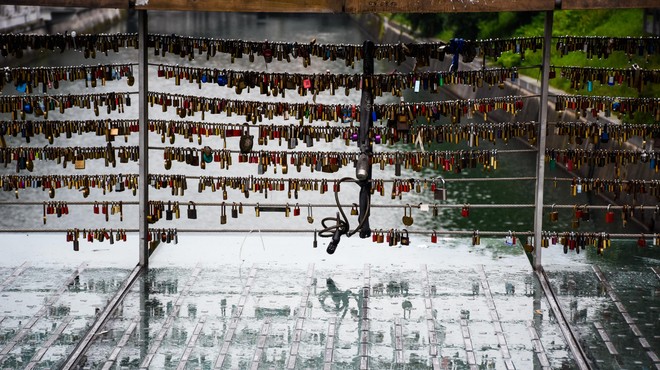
[(543, 125), (143, 137), (366, 122)]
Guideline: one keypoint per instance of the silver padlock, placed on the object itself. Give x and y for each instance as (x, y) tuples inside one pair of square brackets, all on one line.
[(440, 192)]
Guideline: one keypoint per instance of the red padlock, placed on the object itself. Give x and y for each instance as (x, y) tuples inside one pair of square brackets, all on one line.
[(465, 211), (296, 210), (96, 208), (578, 212), (609, 215), (434, 237), (641, 242)]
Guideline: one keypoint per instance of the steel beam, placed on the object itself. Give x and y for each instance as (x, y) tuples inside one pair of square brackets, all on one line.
[(82, 346), (143, 117), (540, 157)]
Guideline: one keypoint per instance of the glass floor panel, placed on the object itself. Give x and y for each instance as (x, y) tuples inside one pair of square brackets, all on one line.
[(264, 311), (618, 318), (45, 311), (251, 305)]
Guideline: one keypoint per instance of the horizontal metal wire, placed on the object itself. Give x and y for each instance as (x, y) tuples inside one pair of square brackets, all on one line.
[(55, 68), (402, 179), (311, 231), (69, 203), (498, 151)]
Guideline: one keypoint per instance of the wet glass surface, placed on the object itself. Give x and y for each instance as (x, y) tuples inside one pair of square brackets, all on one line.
[(44, 311)]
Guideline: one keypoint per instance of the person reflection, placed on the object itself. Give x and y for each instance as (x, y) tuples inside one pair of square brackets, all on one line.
[(338, 297)]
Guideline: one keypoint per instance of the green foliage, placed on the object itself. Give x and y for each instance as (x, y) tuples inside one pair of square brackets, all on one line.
[(509, 59), (604, 22)]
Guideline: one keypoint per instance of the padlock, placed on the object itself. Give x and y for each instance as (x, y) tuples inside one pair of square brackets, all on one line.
[(381, 237), (439, 190), (354, 210), (476, 239), (310, 217), (119, 186), (529, 245), (405, 239), (585, 213), (641, 242), (465, 211), (257, 212), (192, 210), (234, 210), (434, 237), (96, 208), (223, 214), (407, 217), (609, 215), (508, 240), (435, 210), (79, 162), (578, 212), (296, 210), (247, 141), (168, 212), (554, 215)]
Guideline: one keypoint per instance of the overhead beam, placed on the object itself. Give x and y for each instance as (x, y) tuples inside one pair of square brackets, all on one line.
[(119, 4), (445, 6), (345, 6), (250, 6), (348, 6), (605, 4)]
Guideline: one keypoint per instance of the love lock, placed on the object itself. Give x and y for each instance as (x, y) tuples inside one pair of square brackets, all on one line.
[(465, 211), (310, 217), (439, 191), (405, 239), (247, 141), (407, 218), (192, 210), (223, 214), (554, 215)]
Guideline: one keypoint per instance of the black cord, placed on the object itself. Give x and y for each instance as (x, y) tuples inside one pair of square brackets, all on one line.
[(341, 225)]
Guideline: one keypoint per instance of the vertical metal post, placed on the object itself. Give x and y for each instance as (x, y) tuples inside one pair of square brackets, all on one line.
[(366, 122), (143, 137), (543, 124)]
